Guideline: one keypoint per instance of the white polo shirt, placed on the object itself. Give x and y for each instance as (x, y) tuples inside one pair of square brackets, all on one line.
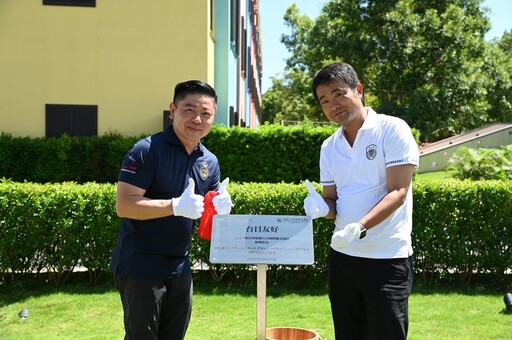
[(359, 173)]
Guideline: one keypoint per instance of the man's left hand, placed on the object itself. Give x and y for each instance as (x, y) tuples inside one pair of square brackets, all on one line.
[(222, 202), (343, 237)]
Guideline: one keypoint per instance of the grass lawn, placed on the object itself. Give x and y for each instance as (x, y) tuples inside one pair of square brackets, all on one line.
[(81, 312)]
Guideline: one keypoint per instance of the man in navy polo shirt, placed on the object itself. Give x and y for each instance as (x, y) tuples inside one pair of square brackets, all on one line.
[(160, 194), (366, 170)]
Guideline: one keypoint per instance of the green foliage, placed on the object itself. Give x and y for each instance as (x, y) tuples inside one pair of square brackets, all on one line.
[(460, 227), (482, 164), (291, 100), (56, 227), (77, 159), (498, 63), (424, 61), (416, 134), (271, 154)]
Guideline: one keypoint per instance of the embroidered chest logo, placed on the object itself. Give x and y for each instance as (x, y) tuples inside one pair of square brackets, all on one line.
[(371, 151), (204, 170)]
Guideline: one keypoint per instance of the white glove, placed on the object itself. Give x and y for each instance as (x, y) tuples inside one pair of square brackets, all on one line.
[(314, 204), (222, 202), (188, 204), (343, 237)]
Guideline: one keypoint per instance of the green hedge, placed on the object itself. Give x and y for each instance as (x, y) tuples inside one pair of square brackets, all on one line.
[(56, 228), (460, 227), (271, 154), (53, 160), (463, 227)]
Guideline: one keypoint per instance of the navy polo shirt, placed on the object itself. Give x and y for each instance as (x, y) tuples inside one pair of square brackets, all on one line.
[(159, 248)]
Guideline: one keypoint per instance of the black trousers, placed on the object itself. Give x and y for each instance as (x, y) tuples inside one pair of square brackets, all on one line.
[(155, 309), (369, 297)]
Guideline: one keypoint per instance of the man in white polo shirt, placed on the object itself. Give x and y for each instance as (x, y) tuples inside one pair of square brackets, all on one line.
[(366, 170)]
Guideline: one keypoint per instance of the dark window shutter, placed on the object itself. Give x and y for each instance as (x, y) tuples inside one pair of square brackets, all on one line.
[(84, 120), (167, 119), (83, 3), (74, 120)]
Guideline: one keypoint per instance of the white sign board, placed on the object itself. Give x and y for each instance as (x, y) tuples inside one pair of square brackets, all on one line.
[(262, 239)]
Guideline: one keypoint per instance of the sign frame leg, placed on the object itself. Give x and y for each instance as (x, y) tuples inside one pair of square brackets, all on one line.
[(261, 320)]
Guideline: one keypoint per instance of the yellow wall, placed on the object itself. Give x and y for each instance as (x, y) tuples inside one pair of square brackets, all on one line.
[(123, 55)]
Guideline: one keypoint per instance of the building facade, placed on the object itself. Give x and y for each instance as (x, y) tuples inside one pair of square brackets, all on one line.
[(90, 67), (238, 62), (436, 156)]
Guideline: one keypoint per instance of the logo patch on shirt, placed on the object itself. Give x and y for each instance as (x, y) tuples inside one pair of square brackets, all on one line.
[(371, 151), (204, 170)]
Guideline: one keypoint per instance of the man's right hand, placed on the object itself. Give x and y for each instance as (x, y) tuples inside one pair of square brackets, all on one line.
[(188, 204), (314, 204)]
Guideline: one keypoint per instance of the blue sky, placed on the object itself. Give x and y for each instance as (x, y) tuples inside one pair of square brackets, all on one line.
[(272, 27)]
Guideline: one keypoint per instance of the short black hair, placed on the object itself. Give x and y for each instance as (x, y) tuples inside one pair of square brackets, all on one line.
[(181, 90), (335, 71)]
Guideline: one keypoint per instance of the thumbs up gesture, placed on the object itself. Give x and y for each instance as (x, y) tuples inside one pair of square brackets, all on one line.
[(314, 204), (222, 202), (188, 204)]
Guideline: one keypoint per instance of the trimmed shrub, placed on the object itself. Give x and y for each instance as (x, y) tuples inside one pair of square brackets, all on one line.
[(461, 228), (56, 228), (270, 154), (63, 159)]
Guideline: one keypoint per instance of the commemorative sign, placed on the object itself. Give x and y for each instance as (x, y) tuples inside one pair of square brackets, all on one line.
[(262, 239)]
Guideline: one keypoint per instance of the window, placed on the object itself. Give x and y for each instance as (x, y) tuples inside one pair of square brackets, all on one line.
[(243, 48), (234, 26), (233, 117), (83, 3), (212, 15), (74, 120), (167, 119)]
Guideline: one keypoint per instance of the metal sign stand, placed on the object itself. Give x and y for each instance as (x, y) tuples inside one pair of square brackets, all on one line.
[(262, 240)]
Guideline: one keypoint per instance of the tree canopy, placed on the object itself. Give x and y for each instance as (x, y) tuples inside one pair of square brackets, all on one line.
[(425, 61)]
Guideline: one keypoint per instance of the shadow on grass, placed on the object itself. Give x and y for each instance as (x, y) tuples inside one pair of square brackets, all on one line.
[(481, 284), (27, 286), (246, 285), (30, 286)]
